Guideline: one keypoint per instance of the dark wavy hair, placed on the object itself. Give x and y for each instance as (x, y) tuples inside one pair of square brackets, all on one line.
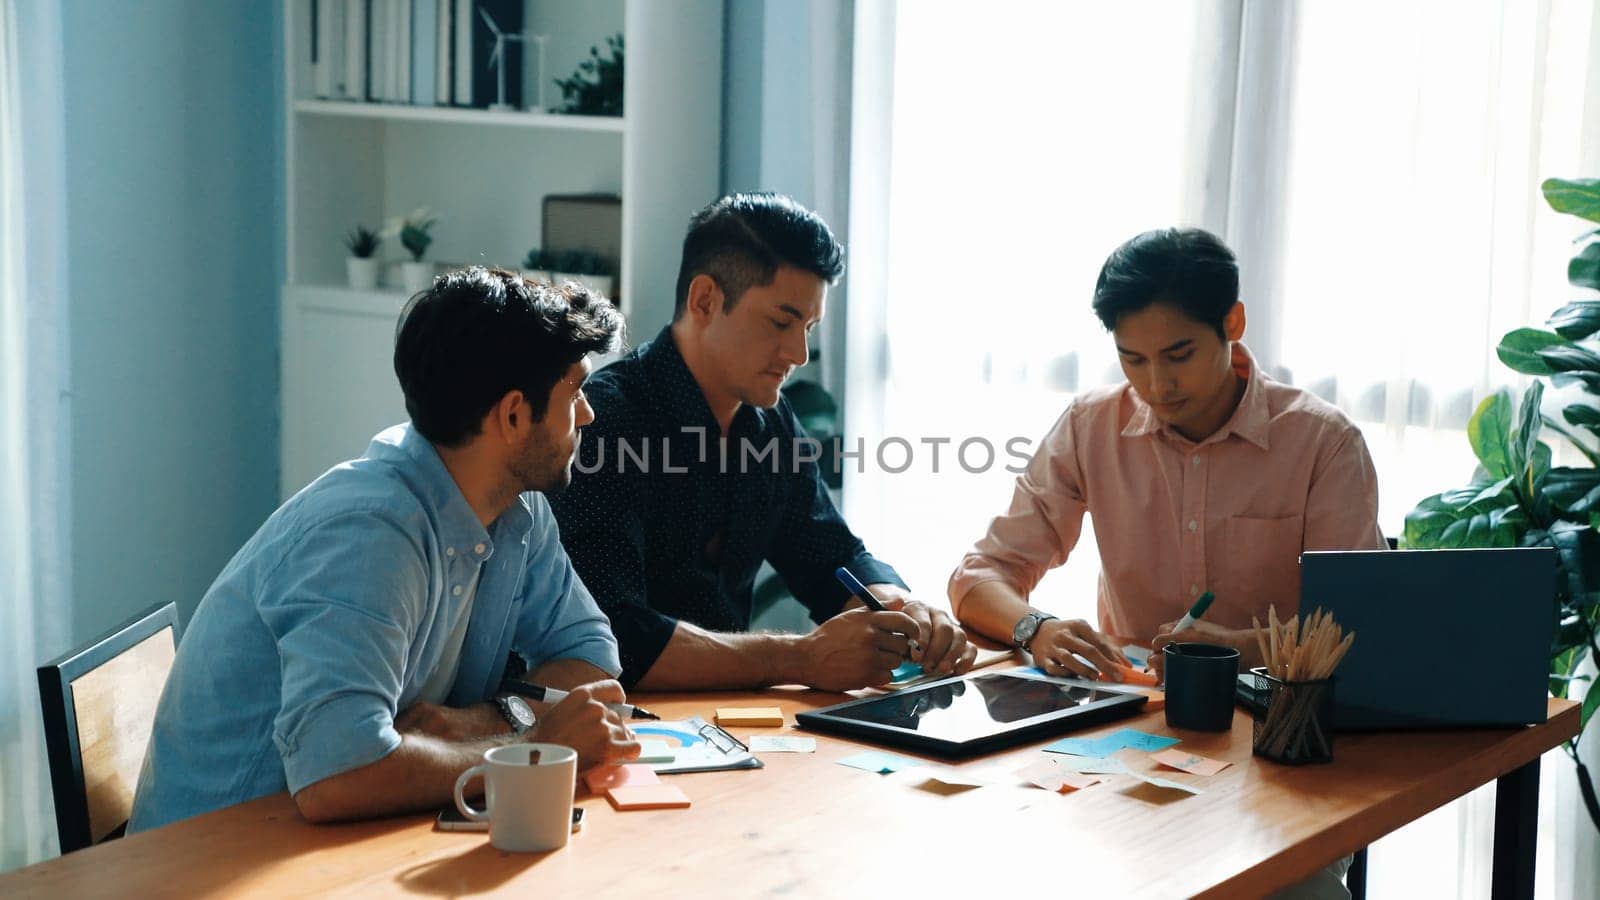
[(742, 239), (479, 333), (1186, 267)]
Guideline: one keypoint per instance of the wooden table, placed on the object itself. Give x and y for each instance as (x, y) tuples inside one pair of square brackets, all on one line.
[(806, 827)]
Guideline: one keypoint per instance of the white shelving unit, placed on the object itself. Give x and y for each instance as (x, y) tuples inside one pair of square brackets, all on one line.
[(484, 174)]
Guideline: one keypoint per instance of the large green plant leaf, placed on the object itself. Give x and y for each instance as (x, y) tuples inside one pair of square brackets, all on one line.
[(1577, 320), (1574, 196), (1524, 442), (1575, 492), (1570, 358), (1488, 431), (1463, 518), (1582, 415), (1584, 269), (1520, 350), (1591, 702)]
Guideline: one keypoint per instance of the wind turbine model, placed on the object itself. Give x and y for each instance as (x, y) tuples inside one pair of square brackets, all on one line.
[(498, 56)]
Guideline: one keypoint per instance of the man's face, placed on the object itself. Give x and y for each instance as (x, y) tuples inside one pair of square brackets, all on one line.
[(544, 462), (1179, 366), (758, 344)]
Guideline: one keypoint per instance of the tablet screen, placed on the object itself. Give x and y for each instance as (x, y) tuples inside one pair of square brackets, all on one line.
[(979, 705)]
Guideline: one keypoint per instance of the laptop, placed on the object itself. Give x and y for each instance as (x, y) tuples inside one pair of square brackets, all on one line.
[(1444, 638)]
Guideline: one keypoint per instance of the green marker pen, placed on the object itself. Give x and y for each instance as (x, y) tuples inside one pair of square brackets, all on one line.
[(1195, 612)]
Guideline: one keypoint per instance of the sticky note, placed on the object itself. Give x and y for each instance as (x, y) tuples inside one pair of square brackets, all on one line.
[(1047, 774), (1109, 765), (906, 671), (1157, 699), (1139, 740), (1189, 762), (1167, 785), (655, 752), (957, 777), (876, 761), (604, 779), (1130, 675), (1094, 747), (647, 796), (750, 716), (773, 743)]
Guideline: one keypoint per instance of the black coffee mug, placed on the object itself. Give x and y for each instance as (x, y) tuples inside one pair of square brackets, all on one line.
[(1200, 680)]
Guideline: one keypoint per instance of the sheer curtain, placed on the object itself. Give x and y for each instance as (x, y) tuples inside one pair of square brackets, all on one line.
[(32, 518), (1376, 167)]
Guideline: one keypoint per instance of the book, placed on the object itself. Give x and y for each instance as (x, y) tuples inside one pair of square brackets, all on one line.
[(424, 43), (465, 18), (443, 77), (378, 51), (402, 51), (355, 50), (324, 33)]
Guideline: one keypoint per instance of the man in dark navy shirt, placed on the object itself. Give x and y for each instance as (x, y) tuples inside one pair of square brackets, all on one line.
[(695, 471)]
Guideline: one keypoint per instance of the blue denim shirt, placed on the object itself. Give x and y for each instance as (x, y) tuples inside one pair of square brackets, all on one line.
[(330, 620)]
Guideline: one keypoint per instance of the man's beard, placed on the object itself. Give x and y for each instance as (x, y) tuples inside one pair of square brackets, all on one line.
[(537, 468)]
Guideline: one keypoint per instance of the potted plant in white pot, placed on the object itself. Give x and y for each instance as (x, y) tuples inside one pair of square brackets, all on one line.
[(414, 230), (362, 265), (536, 266)]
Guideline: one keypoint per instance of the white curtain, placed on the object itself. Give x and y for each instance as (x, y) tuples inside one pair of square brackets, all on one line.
[(1374, 164), (33, 593)]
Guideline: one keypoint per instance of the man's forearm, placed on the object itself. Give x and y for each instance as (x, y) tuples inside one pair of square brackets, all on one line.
[(567, 674), (696, 659), (420, 774), (992, 609)]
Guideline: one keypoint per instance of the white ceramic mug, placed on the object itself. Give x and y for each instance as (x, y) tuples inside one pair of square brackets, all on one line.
[(528, 804)]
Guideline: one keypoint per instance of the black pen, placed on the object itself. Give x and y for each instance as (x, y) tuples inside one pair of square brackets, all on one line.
[(553, 696)]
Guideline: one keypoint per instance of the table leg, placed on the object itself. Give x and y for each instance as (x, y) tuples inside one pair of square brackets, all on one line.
[(1516, 825)]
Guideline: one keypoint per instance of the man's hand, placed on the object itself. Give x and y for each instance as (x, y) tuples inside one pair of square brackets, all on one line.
[(856, 648), (1058, 639), (448, 723), (583, 722), (1203, 632), (942, 646)]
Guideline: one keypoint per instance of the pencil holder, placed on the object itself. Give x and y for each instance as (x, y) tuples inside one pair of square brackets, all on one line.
[(1297, 725)]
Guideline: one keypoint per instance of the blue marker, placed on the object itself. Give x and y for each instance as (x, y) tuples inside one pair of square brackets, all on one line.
[(854, 586)]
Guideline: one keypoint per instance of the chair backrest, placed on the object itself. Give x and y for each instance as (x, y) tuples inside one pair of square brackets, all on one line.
[(99, 704)]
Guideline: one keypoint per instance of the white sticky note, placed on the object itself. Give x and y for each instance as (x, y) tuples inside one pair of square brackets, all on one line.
[(771, 743)]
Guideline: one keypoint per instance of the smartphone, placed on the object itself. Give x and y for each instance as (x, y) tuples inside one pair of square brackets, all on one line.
[(451, 819)]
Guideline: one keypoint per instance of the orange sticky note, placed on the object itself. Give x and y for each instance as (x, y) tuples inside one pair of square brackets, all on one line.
[(1157, 701), (607, 777), (647, 796), (750, 716), (1130, 675), (1188, 762)]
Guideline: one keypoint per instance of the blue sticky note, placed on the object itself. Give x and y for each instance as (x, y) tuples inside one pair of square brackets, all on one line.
[(907, 671), (1139, 740), (1032, 670), (1093, 747), (882, 763)]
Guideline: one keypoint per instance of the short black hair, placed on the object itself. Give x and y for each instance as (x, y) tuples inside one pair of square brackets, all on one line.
[(479, 333), (742, 239), (1186, 267)]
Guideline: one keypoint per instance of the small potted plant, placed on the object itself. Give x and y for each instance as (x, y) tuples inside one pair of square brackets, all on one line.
[(536, 266), (414, 234), (362, 265), (588, 269)]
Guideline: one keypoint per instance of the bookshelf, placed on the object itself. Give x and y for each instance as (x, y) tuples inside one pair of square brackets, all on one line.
[(484, 174)]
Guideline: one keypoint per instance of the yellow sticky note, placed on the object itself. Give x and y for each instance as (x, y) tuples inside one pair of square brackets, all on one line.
[(750, 716), (1188, 762)]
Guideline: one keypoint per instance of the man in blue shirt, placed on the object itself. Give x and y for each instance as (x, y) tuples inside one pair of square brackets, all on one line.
[(697, 471), (351, 653)]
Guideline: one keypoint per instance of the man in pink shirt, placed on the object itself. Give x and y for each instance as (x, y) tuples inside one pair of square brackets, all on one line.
[(1200, 474)]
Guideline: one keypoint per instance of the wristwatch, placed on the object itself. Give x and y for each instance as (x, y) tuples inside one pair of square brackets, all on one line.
[(517, 712), (1023, 632)]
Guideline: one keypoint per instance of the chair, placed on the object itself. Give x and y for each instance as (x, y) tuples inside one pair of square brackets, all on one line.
[(99, 705)]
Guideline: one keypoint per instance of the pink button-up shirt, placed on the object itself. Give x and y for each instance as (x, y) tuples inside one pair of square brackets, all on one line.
[(1173, 519)]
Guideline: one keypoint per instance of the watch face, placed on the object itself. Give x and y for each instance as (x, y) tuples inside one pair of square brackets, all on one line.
[(520, 710), (1025, 629)]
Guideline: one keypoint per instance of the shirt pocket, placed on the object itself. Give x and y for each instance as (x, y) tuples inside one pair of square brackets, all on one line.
[(1261, 564)]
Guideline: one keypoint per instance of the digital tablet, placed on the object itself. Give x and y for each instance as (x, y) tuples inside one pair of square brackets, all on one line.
[(975, 713)]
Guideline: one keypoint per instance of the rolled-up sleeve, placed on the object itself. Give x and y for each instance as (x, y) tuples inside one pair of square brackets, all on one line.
[(560, 618), (343, 619), (1342, 503), (1040, 527)]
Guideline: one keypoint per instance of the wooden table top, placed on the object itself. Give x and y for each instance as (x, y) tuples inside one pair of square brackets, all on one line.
[(804, 826)]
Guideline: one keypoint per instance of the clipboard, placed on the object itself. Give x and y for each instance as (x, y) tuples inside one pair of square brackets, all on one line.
[(699, 746)]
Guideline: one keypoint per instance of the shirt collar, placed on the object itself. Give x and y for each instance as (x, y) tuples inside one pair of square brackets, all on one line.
[(677, 392), (458, 525), (1250, 418)]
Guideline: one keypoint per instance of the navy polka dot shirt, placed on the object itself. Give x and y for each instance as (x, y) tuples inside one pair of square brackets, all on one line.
[(665, 521)]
